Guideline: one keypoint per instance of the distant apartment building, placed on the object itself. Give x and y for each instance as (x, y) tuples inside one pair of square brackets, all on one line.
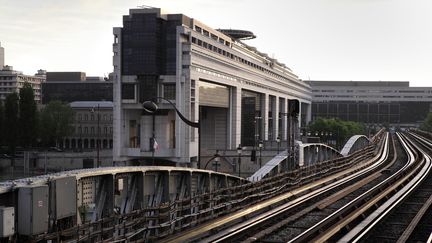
[(371, 102), (238, 94), (76, 86), (92, 123), (12, 81)]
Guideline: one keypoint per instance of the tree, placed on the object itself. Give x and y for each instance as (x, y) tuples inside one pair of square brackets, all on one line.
[(427, 123), (55, 122), (11, 121), (340, 130), (27, 116)]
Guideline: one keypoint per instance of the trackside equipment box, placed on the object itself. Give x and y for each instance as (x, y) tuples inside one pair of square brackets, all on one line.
[(7, 221), (63, 201), (33, 210)]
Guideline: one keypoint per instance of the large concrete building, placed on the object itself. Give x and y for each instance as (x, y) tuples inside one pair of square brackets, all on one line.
[(12, 81), (76, 86), (380, 102), (238, 94)]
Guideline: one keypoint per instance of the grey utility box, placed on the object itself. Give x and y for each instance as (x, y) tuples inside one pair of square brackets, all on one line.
[(33, 210), (7, 221), (63, 197)]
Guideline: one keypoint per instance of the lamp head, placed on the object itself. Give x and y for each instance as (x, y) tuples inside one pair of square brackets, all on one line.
[(239, 149), (150, 106)]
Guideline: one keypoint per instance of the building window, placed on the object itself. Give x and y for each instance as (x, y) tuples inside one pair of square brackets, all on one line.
[(105, 117), (86, 117), (170, 91), (85, 130), (106, 130), (92, 117), (128, 91), (92, 130)]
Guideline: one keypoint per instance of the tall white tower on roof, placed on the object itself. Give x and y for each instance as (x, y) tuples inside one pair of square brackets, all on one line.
[(1, 57)]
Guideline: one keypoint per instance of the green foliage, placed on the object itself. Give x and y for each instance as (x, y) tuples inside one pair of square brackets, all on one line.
[(427, 123), (27, 116), (55, 122), (340, 130), (11, 131)]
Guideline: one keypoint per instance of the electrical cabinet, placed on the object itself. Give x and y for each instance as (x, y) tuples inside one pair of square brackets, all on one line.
[(33, 210), (7, 221), (64, 197)]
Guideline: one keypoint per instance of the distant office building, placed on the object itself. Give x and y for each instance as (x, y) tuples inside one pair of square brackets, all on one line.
[(12, 81), (2, 57), (237, 93), (380, 102), (76, 86), (87, 129)]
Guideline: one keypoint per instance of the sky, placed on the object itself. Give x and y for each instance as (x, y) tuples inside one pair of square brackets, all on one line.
[(359, 40)]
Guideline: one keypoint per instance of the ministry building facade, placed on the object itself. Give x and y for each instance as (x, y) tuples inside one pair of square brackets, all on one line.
[(238, 94)]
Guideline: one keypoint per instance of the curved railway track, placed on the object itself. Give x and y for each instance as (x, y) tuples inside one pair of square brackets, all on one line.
[(301, 198), (389, 200), (410, 220)]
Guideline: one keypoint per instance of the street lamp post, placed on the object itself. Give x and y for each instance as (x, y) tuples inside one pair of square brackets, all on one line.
[(260, 145), (239, 152), (151, 107), (216, 161), (98, 135), (278, 143)]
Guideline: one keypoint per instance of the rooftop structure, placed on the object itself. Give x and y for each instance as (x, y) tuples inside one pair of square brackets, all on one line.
[(238, 34)]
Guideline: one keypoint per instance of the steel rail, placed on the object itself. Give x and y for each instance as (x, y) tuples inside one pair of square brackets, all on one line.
[(226, 234), (358, 232), (416, 220), (325, 223)]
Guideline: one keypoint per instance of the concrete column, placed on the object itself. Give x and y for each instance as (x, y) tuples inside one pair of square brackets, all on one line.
[(235, 118), (264, 115), (284, 109), (308, 113), (275, 118)]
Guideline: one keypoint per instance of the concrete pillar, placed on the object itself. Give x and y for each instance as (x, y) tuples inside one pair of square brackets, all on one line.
[(275, 114), (284, 110), (235, 118), (308, 113), (264, 115)]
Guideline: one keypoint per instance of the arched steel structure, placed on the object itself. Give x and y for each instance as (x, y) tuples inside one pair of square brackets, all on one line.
[(311, 153), (308, 154), (355, 143)]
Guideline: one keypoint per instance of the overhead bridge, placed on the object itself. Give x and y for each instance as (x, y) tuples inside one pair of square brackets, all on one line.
[(88, 195)]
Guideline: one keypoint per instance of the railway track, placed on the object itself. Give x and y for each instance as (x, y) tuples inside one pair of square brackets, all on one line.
[(385, 205), (411, 220), (390, 209), (301, 199)]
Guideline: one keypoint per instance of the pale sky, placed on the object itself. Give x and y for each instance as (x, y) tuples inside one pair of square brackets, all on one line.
[(388, 40)]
